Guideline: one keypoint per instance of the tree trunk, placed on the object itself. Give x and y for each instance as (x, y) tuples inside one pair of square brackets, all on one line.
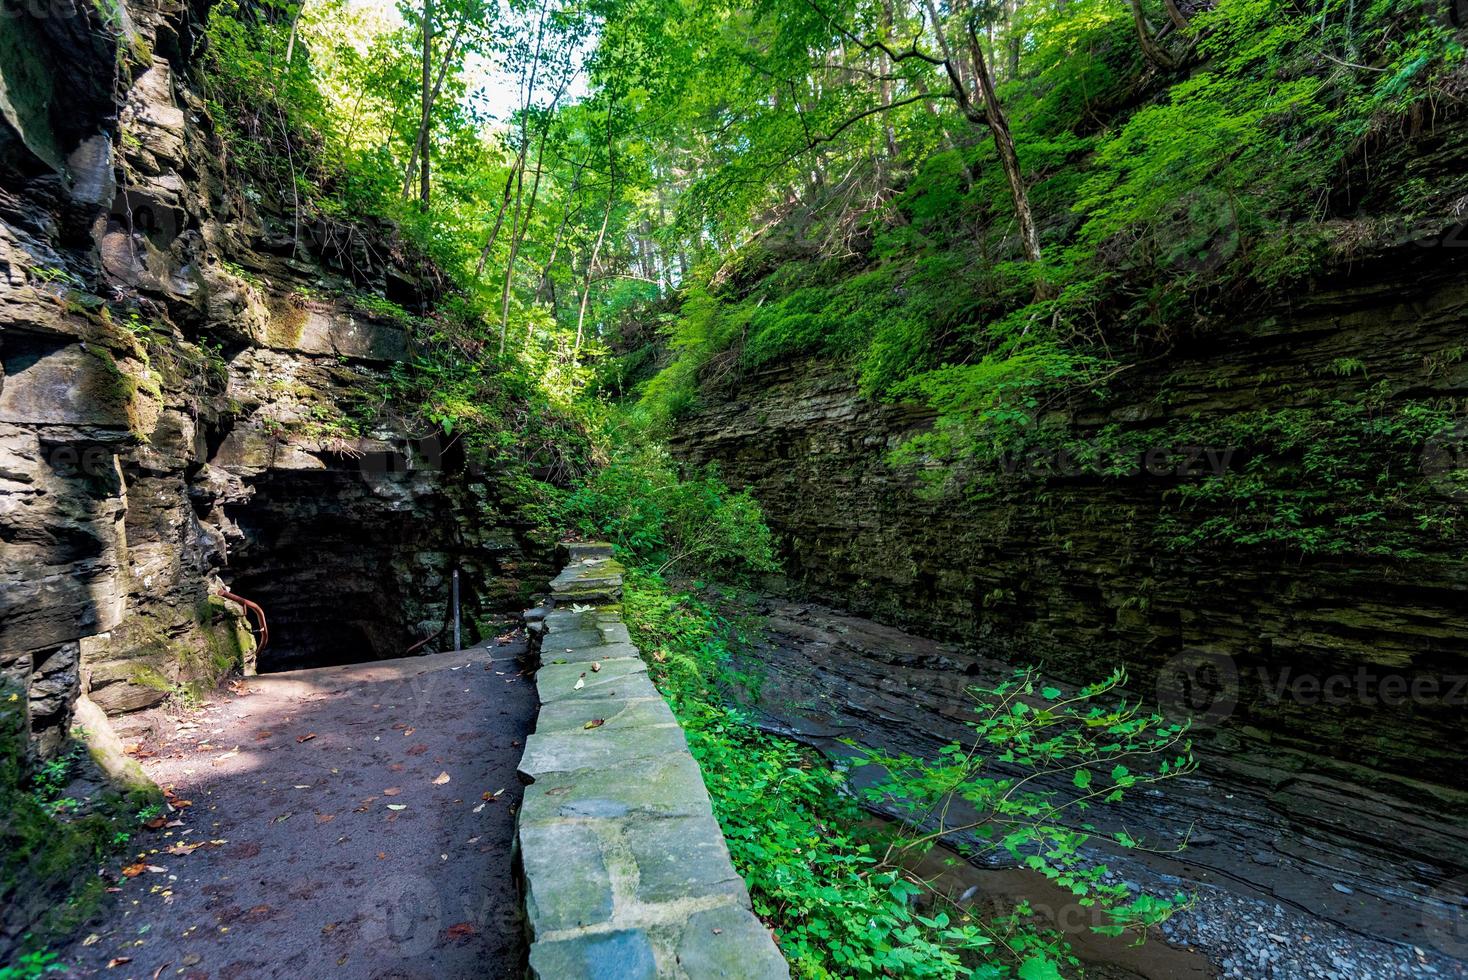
[(499, 219), (423, 157), (590, 266), (993, 116), (1153, 51), (1008, 157), (420, 144), (290, 46), (1178, 18)]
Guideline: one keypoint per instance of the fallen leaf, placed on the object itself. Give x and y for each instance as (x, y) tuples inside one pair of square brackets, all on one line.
[(305, 738), (479, 807), (397, 806), (391, 791), (92, 940), (133, 870), (409, 731), (460, 930), (118, 961), (595, 723), (382, 855), (325, 817), (157, 823), (580, 682), (596, 666), (441, 778), (418, 749)]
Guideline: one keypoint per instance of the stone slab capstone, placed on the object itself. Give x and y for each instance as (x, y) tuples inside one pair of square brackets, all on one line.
[(626, 871)]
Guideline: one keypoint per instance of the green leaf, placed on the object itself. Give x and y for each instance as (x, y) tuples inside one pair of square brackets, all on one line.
[(1039, 968)]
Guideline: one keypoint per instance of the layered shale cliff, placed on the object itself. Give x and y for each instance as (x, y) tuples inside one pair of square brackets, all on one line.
[(1329, 690), (194, 397)]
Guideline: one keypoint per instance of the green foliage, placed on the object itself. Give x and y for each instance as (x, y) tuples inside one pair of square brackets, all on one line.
[(1037, 761), (50, 844), (833, 888), (691, 522), (1162, 198), (37, 963)]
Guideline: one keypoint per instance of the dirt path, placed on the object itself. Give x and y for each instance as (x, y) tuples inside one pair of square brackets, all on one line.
[(338, 826)]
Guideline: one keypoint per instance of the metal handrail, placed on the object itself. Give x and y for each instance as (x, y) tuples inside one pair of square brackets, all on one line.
[(259, 614)]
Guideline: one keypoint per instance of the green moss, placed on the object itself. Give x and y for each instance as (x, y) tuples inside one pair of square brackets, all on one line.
[(287, 322), (48, 861)]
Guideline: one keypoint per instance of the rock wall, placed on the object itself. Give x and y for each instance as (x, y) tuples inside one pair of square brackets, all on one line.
[(1349, 670), (185, 401)]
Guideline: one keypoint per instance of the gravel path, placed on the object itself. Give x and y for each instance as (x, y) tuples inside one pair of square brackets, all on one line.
[(347, 821)]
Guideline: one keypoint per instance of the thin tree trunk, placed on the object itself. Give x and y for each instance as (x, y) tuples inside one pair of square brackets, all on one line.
[(1011, 35), (1178, 18), (290, 46), (600, 237), (510, 265), (1008, 157), (524, 230), (499, 218), (1153, 51), (420, 144), (423, 158), (884, 66)]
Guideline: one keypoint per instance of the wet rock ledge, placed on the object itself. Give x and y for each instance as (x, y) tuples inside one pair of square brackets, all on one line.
[(625, 868)]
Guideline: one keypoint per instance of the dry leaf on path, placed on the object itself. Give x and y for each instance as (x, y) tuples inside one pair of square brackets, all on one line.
[(441, 778), (391, 791), (595, 723), (305, 738)]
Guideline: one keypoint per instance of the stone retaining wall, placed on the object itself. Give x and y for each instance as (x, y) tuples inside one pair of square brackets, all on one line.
[(625, 868)]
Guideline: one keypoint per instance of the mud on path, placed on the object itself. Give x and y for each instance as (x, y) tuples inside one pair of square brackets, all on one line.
[(342, 821)]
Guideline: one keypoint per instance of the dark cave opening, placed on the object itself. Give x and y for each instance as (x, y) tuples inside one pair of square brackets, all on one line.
[(350, 564)]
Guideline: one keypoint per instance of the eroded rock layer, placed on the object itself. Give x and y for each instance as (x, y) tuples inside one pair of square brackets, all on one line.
[(1330, 690), (191, 398)]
